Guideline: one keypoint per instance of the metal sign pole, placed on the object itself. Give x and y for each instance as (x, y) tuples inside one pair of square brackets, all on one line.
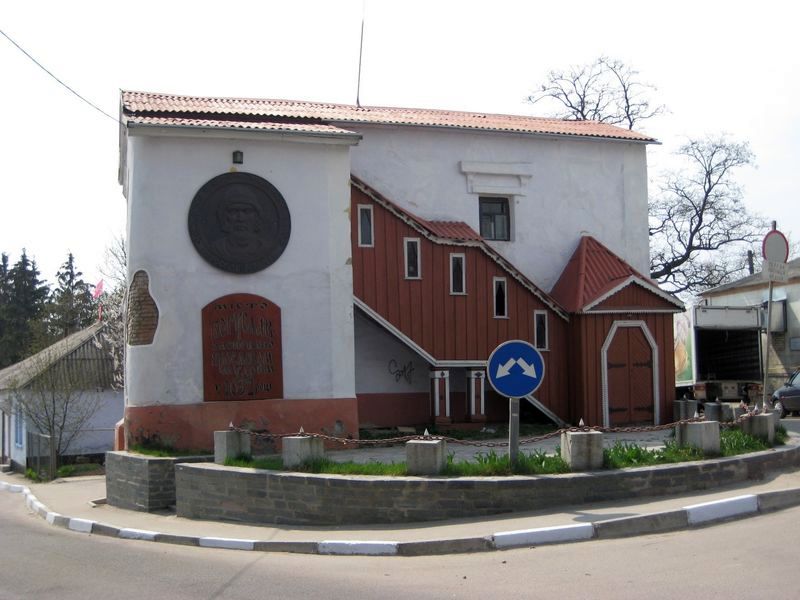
[(765, 394), (513, 429)]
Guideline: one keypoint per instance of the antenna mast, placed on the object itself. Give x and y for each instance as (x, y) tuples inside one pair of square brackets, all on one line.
[(360, 52)]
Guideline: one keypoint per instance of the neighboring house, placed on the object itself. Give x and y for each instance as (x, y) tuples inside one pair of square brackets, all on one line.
[(753, 290), (82, 360), (330, 266)]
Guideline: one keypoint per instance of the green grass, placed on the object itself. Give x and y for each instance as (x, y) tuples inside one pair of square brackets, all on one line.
[(272, 463), (781, 436), (491, 464), (165, 451), (33, 475), (625, 454), (79, 469), (734, 441)]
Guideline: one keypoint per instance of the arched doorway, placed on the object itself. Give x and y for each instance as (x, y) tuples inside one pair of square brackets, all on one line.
[(629, 390)]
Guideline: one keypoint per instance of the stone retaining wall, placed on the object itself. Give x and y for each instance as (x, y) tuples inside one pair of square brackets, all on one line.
[(139, 482), (216, 492)]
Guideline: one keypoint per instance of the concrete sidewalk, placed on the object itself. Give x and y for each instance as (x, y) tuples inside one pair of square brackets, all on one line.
[(69, 503)]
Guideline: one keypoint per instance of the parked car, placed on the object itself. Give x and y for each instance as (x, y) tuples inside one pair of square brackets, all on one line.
[(787, 398)]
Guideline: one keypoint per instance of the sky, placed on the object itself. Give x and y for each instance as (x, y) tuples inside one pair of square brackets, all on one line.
[(719, 67)]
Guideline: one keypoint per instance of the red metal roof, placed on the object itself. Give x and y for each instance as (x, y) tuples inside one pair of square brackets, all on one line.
[(264, 110), (594, 271), (452, 230)]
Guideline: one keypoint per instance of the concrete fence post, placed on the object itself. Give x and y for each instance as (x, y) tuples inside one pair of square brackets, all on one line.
[(690, 408), (713, 411), (678, 409), (426, 457), (702, 434), (230, 444), (297, 449), (761, 426), (582, 450)]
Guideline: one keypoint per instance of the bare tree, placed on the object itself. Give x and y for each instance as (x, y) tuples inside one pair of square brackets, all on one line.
[(698, 224), (115, 262), (606, 90), (115, 269), (55, 402)]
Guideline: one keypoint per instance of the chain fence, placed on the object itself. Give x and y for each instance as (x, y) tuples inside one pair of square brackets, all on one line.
[(266, 436)]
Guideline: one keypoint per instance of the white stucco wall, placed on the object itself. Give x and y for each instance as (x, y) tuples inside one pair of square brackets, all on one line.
[(385, 364), (576, 186), (311, 282), (95, 438), (98, 435)]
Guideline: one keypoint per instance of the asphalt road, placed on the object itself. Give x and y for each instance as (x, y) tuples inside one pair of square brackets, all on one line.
[(752, 558)]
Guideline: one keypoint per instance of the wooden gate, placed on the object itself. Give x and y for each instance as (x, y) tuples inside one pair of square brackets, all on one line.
[(630, 378)]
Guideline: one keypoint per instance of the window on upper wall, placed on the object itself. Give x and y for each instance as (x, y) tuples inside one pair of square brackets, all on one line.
[(495, 218), (413, 265), (458, 282), (365, 226), (540, 330), (500, 298)]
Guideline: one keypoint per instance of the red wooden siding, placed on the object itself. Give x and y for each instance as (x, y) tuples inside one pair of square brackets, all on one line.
[(450, 327), (391, 410), (634, 297), (589, 332)]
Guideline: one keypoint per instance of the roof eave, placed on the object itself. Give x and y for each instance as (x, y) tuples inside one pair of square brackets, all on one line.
[(578, 136), (145, 129)]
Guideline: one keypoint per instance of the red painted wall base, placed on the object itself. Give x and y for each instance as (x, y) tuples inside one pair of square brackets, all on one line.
[(192, 426)]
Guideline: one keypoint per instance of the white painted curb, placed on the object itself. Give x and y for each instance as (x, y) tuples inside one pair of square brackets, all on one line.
[(51, 517), (721, 509), (227, 543), (361, 548), (129, 533), (544, 535), (81, 525)]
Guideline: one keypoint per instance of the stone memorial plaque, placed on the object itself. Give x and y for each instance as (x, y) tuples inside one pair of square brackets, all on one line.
[(239, 222), (242, 349)]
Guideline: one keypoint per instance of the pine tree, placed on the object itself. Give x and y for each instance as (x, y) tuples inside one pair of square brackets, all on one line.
[(27, 295), (5, 295), (71, 307)]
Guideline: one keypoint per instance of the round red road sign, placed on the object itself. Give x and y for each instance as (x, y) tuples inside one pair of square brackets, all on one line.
[(775, 247)]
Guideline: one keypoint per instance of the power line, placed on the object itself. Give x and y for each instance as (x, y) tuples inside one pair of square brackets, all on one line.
[(38, 64)]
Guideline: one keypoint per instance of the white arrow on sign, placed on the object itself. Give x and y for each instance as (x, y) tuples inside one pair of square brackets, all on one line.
[(527, 369), (505, 369)]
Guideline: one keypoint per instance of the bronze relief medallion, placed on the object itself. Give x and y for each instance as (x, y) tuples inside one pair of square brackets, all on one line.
[(239, 222)]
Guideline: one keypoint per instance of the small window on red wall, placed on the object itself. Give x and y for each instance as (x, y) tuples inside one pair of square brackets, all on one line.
[(365, 226), (412, 258), (457, 275), (500, 299)]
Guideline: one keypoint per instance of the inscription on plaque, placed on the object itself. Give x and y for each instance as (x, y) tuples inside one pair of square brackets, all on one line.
[(242, 349)]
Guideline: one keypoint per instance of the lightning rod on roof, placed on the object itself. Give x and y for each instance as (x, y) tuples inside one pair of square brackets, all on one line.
[(360, 51)]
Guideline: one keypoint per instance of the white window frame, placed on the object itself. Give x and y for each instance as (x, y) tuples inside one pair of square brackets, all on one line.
[(509, 207), (416, 241), (495, 281), (463, 258), (546, 345), (366, 208)]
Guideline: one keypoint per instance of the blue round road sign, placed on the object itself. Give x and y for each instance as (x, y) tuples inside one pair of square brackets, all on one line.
[(515, 369)]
